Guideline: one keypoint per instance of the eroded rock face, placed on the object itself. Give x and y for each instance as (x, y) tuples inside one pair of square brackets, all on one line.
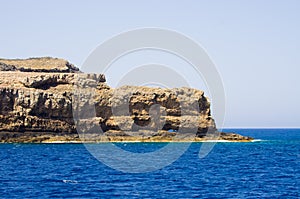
[(5, 67), (50, 101)]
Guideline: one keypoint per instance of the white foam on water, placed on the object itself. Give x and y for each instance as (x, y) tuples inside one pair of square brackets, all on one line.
[(217, 141), (70, 181), (257, 140)]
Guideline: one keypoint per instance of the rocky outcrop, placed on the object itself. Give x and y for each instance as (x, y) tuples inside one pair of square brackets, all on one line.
[(44, 64), (5, 67), (54, 101)]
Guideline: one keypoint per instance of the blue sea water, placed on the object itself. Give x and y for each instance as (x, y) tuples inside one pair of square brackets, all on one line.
[(268, 168)]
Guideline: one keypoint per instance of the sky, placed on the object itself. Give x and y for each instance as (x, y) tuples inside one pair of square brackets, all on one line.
[(255, 45)]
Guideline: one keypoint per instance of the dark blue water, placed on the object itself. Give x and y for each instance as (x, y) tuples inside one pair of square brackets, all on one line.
[(269, 168)]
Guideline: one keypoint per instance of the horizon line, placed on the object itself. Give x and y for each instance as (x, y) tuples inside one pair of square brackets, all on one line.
[(261, 128)]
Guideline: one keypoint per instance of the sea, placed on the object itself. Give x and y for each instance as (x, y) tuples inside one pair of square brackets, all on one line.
[(269, 167)]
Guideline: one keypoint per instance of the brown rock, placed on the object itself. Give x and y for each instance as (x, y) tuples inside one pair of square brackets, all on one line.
[(43, 64), (43, 99)]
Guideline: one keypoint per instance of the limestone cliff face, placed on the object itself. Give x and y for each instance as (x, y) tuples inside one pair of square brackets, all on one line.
[(37, 95), (144, 109)]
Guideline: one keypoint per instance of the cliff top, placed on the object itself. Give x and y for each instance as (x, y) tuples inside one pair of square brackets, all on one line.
[(42, 64)]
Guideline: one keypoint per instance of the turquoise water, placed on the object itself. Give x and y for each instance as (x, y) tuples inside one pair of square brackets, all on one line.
[(267, 168)]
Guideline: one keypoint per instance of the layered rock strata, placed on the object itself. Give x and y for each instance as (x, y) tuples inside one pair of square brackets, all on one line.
[(49, 100)]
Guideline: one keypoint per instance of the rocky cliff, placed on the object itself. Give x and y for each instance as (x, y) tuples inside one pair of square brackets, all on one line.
[(39, 102)]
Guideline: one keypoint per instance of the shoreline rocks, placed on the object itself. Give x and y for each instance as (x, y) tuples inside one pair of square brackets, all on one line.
[(49, 99)]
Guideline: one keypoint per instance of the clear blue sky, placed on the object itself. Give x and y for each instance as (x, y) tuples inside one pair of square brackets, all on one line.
[(254, 44)]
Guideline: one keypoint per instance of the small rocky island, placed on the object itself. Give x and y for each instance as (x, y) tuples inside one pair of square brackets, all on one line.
[(37, 105)]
